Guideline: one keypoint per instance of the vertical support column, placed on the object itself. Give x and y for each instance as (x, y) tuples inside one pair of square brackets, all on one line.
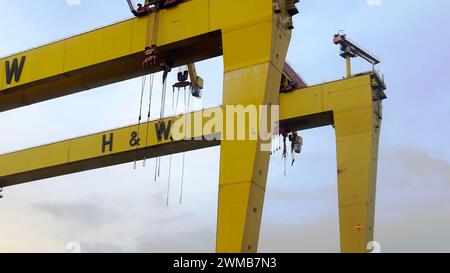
[(348, 65), (254, 56), (357, 133)]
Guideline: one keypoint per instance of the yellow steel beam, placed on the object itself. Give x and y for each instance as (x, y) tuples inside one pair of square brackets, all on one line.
[(254, 57), (188, 33), (352, 105), (148, 140), (356, 108)]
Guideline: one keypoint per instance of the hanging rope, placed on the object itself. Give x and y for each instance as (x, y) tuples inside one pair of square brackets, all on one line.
[(152, 78), (161, 117), (144, 78), (156, 168), (149, 41), (285, 153), (152, 40), (155, 29), (163, 98), (170, 160), (174, 107), (186, 110), (182, 179)]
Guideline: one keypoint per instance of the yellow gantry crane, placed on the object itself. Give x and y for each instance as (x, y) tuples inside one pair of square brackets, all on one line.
[(253, 37)]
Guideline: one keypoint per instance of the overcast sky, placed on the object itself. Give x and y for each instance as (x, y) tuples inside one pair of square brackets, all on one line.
[(121, 209)]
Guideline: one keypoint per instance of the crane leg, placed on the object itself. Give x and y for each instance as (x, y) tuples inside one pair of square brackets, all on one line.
[(357, 134), (253, 58)]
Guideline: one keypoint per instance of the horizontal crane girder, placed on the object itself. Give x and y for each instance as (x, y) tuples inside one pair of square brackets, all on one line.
[(115, 53), (299, 110), (147, 140)]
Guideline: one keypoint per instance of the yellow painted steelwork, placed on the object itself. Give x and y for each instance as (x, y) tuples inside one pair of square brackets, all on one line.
[(102, 149), (348, 64), (356, 108), (254, 56), (115, 53), (254, 41), (353, 106)]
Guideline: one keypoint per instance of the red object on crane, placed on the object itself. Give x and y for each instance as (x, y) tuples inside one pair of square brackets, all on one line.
[(150, 56), (291, 80), (296, 79)]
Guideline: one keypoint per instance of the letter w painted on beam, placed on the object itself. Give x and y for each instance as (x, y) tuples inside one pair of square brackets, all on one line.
[(161, 129), (14, 70)]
